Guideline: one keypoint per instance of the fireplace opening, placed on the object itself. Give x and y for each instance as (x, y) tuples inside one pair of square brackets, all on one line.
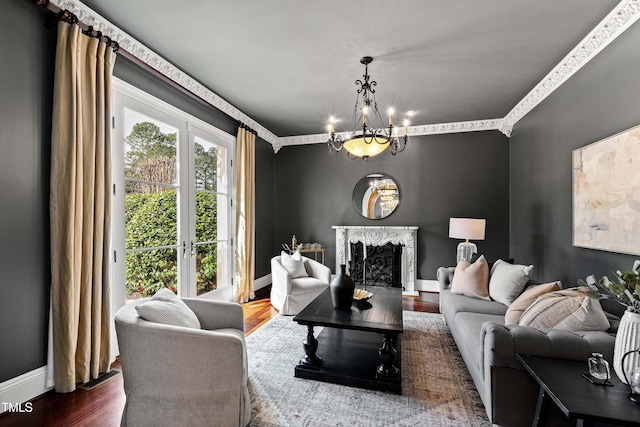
[(383, 265)]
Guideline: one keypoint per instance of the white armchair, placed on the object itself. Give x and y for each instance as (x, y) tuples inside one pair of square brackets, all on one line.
[(289, 295)]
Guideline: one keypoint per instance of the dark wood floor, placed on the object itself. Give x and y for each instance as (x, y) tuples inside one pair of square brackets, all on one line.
[(102, 406)]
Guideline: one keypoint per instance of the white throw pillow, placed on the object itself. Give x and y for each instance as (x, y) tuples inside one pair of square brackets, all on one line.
[(294, 264), (506, 281), (167, 308), (568, 309)]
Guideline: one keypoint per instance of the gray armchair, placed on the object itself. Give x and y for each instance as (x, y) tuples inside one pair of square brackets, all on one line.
[(182, 376), (289, 295)]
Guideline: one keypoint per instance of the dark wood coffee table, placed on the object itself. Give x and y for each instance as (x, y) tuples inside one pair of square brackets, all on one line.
[(360, 347), (581, 402)]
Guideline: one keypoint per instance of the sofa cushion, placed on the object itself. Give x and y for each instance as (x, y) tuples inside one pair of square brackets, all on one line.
[(303, 285), (569, 309), (471, 279), (294, 264), (515, 310), (507, 281), (456, 303), (469, 328), (167, 308)]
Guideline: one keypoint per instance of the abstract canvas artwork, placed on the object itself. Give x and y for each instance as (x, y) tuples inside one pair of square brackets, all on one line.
[(606, 194)]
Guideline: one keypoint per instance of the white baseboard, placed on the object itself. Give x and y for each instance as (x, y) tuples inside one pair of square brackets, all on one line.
[(261, 282), (427, 285), (23, 388)]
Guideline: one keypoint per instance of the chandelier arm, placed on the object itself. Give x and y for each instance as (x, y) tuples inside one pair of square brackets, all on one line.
[(353, 157), (337, 147)]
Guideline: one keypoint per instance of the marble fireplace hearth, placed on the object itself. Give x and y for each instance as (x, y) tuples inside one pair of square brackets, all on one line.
[(379, 236)]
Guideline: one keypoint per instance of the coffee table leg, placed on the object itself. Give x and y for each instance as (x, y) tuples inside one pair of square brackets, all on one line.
[(542, 406), (388, 357), (310, 345)]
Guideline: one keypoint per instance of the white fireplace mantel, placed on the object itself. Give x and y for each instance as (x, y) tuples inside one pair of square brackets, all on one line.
[(378, 236)]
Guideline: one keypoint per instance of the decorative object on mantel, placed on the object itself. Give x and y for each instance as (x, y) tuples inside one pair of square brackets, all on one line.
[(376, 196), (342, 289), (633, 379), (627, 293), (375, 136), (606, 194), (466, 228)]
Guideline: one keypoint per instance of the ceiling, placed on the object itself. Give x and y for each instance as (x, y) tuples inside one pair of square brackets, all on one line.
[(290, 64)]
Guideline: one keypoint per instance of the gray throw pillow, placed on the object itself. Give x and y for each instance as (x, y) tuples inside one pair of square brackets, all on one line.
[(167, 308), (507, 281)]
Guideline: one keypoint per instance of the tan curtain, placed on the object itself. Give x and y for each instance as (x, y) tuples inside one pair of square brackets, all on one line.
[(245, 213), (80, 207)]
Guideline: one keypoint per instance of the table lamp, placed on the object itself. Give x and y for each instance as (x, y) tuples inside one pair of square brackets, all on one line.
[(466, 228)]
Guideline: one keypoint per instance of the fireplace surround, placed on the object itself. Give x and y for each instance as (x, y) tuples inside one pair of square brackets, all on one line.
[(370, 236)]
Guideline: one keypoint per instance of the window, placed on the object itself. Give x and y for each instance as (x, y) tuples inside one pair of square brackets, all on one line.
[(172, 208)]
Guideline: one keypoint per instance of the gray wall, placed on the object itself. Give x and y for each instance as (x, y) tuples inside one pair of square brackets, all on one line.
[(439, 177), (26, 88), (602, 99)]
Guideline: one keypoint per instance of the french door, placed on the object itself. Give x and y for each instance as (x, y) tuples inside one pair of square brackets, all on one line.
[(172, 204)]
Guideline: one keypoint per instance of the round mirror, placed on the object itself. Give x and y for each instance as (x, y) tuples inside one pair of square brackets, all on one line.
[(376, 196)]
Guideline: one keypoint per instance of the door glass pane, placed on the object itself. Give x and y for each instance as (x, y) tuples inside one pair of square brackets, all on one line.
[(209, 164), (149, 270), (150, 218), (211, 215), (151, 208), (150, 149)]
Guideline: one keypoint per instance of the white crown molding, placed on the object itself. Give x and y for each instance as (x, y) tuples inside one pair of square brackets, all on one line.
[(615, 23), (433, 129), (155, 61)]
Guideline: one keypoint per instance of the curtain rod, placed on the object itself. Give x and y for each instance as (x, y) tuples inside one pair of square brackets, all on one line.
[(66, 16)]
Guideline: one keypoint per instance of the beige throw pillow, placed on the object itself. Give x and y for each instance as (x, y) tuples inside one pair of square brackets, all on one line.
[(471, 280), (515, 310), (570, 310), (507, 281), (167, 308), (294, 264)]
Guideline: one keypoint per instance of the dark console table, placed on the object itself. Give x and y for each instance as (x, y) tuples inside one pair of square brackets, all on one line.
[(360, 347), (561, 382)]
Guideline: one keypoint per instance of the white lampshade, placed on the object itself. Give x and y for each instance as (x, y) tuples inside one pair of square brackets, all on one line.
[(467, 228)]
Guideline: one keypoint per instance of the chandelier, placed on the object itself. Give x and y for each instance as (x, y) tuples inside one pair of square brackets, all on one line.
[(372, 136)]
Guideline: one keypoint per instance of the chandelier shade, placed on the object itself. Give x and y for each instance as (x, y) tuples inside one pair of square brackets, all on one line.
[(369, 135), (362, 146)]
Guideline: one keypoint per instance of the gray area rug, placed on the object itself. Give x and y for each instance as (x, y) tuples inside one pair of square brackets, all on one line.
[(437, 389)]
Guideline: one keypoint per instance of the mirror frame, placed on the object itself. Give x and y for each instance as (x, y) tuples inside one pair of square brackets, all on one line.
[(370, 189)]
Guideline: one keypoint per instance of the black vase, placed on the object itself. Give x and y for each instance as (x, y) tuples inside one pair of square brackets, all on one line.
[(342, 288)]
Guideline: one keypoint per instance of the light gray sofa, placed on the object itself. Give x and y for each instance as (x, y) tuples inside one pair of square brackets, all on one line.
[(489, 348), (178, 376)]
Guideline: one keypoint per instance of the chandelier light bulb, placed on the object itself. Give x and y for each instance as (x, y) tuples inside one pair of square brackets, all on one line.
[(332, 122), (390, 116)]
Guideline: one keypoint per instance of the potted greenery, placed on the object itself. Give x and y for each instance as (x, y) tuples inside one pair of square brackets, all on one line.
[(625, 291)]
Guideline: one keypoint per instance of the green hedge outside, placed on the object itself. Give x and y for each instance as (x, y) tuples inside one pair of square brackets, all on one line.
[(151, 222)]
